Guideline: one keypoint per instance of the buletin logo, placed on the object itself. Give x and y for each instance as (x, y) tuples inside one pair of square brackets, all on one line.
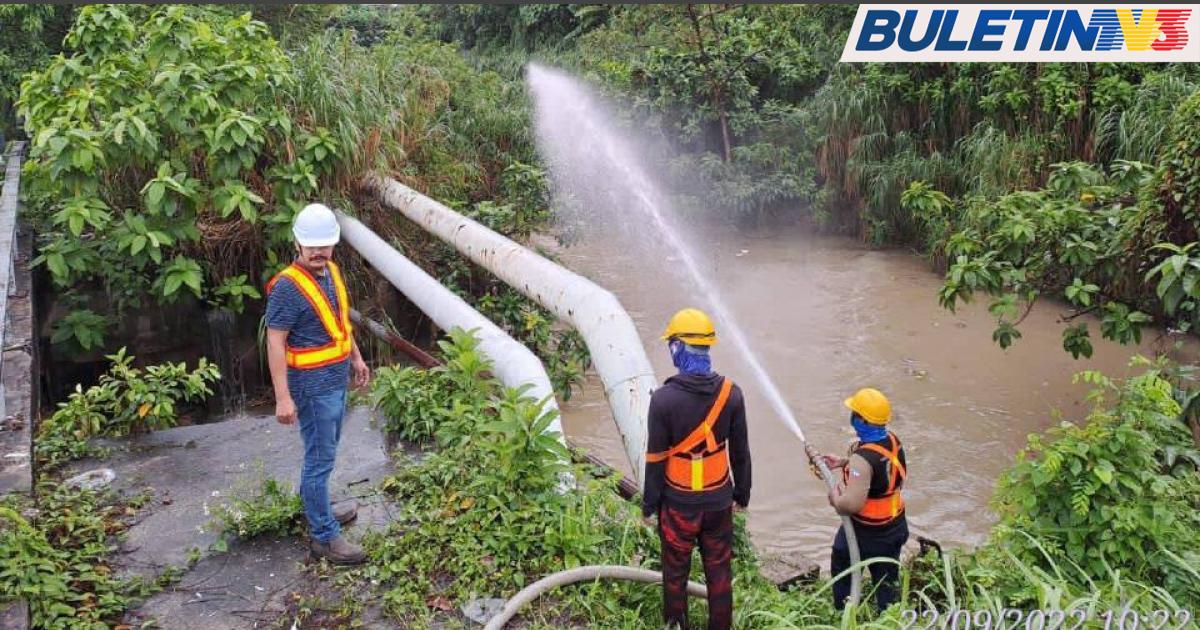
[(993, 32)]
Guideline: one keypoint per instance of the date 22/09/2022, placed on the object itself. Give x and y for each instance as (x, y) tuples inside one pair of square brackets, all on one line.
[(1073, 619)]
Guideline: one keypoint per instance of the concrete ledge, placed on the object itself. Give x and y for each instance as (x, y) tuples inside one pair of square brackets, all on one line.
[(14, 616), (16, 342)]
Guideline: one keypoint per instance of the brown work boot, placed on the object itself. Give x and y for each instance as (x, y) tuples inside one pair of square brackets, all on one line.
[(345, 511), (338, 551)]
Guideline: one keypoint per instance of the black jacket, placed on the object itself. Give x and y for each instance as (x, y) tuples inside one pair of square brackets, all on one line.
[(676, 409)]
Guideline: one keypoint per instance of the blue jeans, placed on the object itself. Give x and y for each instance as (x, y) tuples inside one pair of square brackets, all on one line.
[(320, 428)]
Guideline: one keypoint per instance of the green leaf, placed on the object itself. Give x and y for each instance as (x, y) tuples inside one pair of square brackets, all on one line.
[(57, 265), (75, 222), (154, 194), (172, 284)]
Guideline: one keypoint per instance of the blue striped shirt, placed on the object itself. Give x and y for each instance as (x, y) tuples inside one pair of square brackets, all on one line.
[(287, 309)]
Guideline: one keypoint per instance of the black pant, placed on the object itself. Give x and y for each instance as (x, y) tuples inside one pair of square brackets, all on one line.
[(680, 531), (881, 542)]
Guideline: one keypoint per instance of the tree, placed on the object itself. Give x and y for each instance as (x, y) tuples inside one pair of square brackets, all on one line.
[(32, 33), (162, 156)]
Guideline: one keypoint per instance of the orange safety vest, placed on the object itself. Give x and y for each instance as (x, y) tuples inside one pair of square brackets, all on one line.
[(703, 470), (887, 507), (338, 328)]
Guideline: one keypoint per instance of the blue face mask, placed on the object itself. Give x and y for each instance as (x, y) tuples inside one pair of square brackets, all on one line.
[(866, 431), (688, 362)]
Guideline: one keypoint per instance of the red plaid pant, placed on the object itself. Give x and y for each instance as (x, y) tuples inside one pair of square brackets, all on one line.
[(680, 532)]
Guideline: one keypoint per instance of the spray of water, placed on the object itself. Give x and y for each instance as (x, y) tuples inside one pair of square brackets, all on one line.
[(589, 157)]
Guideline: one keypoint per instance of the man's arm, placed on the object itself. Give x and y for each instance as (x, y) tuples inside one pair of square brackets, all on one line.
[(850, 496), (362, 373), (655, 474), (285, 407), (739, 453), (283, 310)]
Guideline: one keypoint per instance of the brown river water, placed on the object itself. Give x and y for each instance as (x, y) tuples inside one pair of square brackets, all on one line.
[(827, 316)]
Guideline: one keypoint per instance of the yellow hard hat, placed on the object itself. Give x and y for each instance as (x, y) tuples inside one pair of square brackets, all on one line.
[(692, 327), (871, 404)]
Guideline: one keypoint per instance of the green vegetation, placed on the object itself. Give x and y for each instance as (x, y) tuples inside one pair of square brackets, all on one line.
[(171, 146), (274, 508), (188, 138), (57, 560), (155, 132), (1116, 242), (32, 34), (481, 517), (126, 400), (1075, 181), (1116, 493)]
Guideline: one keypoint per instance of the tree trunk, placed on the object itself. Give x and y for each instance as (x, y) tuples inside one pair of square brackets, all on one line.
[(718, 100), (724, 127)]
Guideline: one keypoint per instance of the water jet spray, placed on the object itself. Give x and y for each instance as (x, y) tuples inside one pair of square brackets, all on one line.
[(565, 111)]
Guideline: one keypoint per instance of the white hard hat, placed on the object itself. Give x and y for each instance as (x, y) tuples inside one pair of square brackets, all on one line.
[(316, 226)]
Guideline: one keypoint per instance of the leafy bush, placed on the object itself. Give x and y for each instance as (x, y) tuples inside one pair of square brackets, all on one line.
[(440, 402), (162, 130), (482, 517), (485, 511), (58, 563), (561, 349), (1066, 240), (274, 509), (126, 400), (81, 329), (1101, 496), (33, 33), (411, 400)]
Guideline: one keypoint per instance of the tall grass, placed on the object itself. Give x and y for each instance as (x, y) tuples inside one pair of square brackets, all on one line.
[(1136, 131), (413, 107)]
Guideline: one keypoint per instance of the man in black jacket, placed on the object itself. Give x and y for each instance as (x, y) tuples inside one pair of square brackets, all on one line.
[(697, 469)]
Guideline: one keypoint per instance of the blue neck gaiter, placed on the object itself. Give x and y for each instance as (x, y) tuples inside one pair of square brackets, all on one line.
[(690, 359), (866, 431)]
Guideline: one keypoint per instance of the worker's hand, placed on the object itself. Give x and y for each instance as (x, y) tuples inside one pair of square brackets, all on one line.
[(362, 373), (737, 508), (285, 410), (833, 462), (650, 522)]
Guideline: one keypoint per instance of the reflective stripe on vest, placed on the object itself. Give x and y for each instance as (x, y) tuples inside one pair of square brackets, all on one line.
[(338, 328), (704, 470), (886, 507)]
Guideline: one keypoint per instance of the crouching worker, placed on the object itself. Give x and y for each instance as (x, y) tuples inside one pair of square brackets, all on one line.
[(869, 493), (697, 468)]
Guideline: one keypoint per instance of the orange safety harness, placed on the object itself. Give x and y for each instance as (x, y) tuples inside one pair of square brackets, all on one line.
[(707, 468), (886, 507), (338, 328)]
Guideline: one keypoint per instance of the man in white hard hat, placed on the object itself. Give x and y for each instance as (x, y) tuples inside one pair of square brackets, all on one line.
[(311, 349)]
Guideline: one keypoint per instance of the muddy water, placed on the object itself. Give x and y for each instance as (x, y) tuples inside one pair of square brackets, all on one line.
[(828, 316)]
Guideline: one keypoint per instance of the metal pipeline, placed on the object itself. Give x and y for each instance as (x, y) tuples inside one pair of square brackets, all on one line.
[(613, 341), (512, 363)]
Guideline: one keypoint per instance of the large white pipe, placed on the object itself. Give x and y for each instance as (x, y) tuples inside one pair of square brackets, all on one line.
[(607, 329), (512, 362)]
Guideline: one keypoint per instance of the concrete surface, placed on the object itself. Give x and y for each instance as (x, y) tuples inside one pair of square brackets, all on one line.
[(190, 469), (14, 616)]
